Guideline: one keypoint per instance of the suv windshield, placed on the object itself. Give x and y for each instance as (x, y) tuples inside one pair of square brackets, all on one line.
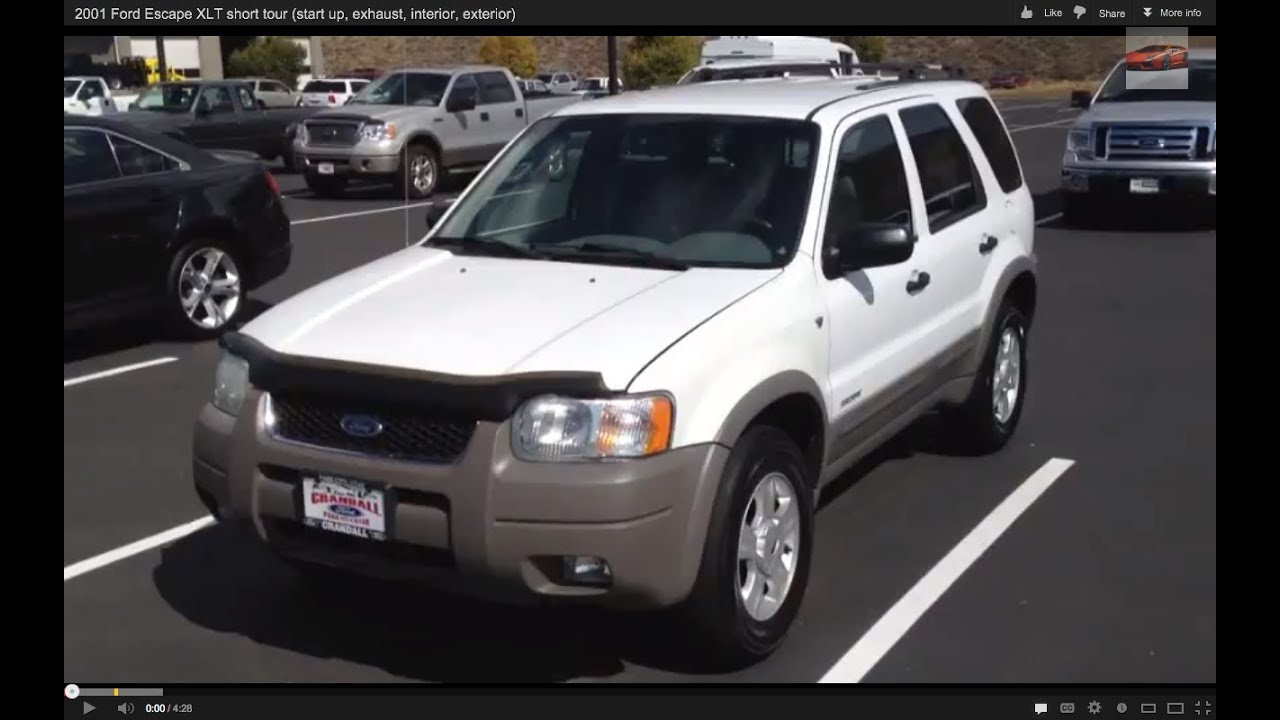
[(175, 97), (1202, 86), (404, 89), (699, 190), (69, 87)]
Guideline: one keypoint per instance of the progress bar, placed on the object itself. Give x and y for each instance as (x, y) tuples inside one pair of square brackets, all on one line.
[(121, 692)]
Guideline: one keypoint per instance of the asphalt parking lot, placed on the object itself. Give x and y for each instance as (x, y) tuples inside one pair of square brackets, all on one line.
[(1106, 571)]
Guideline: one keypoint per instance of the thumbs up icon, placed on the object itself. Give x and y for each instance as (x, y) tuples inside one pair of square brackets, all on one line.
[(1026, 13)]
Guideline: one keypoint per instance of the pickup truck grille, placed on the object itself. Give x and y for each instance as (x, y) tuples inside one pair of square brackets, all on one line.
[(1152, 142), (404, 434), (332, 134)]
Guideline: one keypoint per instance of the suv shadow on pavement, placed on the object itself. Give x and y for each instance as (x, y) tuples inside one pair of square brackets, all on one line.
[(1164, 215), (130, 333), (222, 581)]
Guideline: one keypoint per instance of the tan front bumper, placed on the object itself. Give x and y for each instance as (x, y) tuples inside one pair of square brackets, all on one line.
[(487, 522)]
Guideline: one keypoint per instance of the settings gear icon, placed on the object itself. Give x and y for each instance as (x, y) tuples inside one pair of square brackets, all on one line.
[(1095, 707)]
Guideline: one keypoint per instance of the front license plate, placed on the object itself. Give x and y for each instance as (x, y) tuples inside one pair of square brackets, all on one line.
[(344, 506), (1144, 186), (325, 168)]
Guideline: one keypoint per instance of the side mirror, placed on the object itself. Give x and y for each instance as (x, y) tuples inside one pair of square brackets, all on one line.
[(870, 245), (436, 212), (461, 100), (1081, 98)]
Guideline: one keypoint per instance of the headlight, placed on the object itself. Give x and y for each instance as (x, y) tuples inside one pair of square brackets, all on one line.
[(551, 428), (378, 132), (300, 134), (230, 381)]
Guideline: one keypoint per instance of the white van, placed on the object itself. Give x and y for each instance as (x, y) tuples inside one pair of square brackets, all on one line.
[(738, 57)]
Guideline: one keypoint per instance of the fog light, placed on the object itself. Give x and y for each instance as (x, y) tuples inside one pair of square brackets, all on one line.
[(1076, 182), (587, 570)]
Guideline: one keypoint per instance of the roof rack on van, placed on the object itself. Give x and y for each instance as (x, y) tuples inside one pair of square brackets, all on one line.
[(910, 72)]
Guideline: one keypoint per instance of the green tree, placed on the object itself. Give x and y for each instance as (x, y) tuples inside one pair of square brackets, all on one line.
[(516, 53), (653, 60), (278, 58), (870, 48)]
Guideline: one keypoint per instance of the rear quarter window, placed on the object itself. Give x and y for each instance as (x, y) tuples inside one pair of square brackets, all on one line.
[(985, 123)]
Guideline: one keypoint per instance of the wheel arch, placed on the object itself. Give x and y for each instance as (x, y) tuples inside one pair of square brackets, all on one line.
[(790, 401), (1016, 284)]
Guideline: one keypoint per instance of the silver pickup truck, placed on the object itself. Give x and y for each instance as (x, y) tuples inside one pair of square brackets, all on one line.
[(1133, 144), (411, 126)]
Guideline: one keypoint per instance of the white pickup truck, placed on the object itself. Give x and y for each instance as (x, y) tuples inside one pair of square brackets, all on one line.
[(410, 127), (87, 96), (622, 367)]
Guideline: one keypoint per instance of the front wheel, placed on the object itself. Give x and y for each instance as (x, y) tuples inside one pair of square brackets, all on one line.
[(755, 564), (205, 289), (419, 172)]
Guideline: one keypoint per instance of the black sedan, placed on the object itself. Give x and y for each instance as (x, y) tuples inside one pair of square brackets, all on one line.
[(153, 224)]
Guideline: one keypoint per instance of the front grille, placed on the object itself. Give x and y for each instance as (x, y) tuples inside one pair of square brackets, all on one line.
[(1150, 142), (332, 134), (406, 434)]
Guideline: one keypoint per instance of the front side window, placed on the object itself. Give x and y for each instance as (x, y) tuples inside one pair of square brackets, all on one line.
[(700, 190), (870, 184)]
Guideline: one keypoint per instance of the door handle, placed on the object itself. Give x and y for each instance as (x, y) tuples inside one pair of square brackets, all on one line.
[(519, 112), (919, 281), (484, 117), (988, 244)]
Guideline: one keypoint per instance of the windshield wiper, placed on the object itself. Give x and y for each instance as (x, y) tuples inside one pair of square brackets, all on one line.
[(605, 252), (486, 245)]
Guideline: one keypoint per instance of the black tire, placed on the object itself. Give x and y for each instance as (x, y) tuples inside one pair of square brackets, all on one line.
[(289, 157), (326, 187), (415, 154), (714, 616), (975, 427), (177, 287), (1166, 63)]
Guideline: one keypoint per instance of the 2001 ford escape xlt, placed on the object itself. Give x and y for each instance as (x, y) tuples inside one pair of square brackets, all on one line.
[(623, 365)]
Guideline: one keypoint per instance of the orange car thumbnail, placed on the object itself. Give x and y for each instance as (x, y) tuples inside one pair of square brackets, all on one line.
[(1156, 57)]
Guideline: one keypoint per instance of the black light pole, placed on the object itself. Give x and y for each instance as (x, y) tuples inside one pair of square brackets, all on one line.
[(163, 67), (613, 64)]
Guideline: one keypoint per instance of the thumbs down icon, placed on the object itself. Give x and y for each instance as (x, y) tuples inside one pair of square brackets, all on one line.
[(1079, 11)]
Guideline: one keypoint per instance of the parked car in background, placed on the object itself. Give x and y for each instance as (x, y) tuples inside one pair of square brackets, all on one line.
[(559, 82), (1009, 79), (625, 366), (271, 93), (150, 223), (595, 86), (129, 72), (217, 114), (533, 88), (1132, 146), (87, 96), (330, 92), (412, 126), (1156, 57)]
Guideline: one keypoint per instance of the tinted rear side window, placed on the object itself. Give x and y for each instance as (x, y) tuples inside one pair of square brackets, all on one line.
[(494, 88), (995, 142), (952, 187)]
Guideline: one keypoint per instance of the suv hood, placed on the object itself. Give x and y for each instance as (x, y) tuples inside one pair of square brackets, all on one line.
[(427, 309), (1151, 111), (386, 113)]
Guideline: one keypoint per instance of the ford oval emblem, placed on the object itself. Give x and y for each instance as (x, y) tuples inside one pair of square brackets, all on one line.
[(361, 426), (345, 510), (1151, 142)]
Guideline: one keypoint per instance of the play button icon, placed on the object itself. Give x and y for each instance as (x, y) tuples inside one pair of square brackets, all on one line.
[(88, 708)]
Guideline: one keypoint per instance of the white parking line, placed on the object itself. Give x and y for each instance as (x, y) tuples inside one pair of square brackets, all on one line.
[(133, 548), (895, 623), (1020, 128), (1049, 219), (117, 371), (359, 213)]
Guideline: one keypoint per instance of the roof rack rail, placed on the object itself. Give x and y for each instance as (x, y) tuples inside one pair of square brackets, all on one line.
[(911, 72)]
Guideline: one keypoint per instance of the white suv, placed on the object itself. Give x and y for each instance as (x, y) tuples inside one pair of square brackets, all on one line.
[(623, 365)]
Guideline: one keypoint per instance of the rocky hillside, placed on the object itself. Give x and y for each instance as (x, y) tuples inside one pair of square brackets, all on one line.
[(1047, 58)]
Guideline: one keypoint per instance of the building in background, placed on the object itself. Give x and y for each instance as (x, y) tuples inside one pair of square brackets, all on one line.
[(195, 56)]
